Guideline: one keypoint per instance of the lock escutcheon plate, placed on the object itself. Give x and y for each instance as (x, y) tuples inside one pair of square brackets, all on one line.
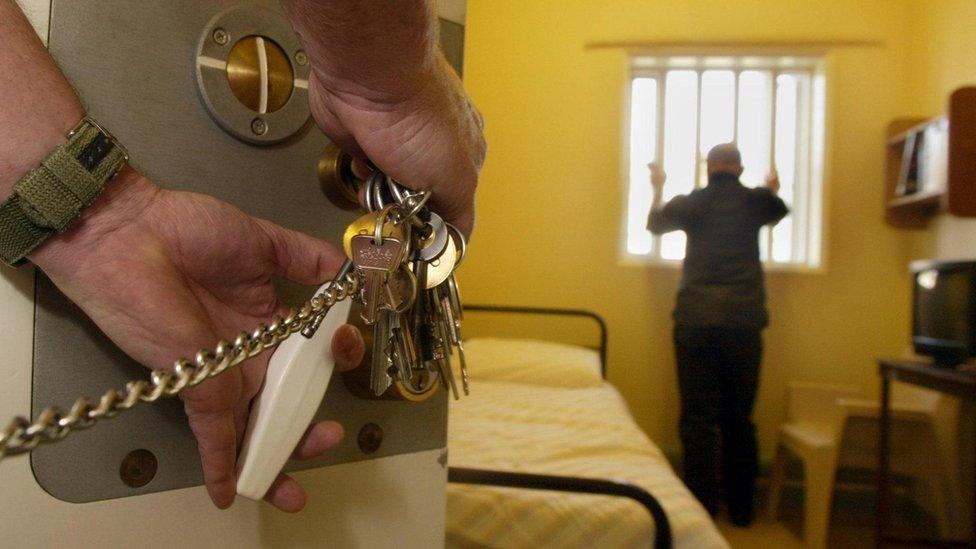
[(249, 76)]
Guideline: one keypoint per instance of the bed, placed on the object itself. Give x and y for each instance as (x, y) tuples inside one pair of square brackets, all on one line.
[(541, 416)]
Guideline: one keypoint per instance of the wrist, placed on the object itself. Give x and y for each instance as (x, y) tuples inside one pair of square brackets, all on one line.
[(124, 199), (24, 151), (419, 85), (373, 50)]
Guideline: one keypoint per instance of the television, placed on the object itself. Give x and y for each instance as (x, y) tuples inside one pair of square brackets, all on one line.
[(944, 310)]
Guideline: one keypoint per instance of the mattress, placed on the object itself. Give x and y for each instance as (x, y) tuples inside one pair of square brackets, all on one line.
[(581, 428)]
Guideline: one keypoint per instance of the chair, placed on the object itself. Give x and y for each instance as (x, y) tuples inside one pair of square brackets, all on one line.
[(829, 424)]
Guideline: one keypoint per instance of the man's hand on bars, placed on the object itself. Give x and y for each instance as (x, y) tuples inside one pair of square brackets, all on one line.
[(382, 90), (657, 176), (772, 182), (167, 273)]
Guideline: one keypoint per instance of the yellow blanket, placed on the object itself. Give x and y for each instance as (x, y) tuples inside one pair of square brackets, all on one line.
[(586, 432)]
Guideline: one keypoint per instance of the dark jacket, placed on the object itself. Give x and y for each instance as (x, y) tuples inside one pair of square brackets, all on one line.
[(722, 279)]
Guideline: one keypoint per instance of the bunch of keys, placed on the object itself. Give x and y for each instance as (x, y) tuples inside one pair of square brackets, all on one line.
[(405, 256), (401, 260)]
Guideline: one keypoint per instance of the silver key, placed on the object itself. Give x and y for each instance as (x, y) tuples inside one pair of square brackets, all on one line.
[(440, 269), (435, 244), (455, 311), (404, 354), (452, 327), (442, 353), (374, 262), (455, 293), (400, 292), (379, 374)]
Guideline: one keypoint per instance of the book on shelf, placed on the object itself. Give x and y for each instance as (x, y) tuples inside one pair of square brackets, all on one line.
[(924, 160)]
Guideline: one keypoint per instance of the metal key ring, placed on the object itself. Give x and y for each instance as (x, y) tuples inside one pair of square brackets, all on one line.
[(399, 192), (413, 205), (376, 190), (405, 197), (408, 303), (368, 193), (460, 243), (378, 226)]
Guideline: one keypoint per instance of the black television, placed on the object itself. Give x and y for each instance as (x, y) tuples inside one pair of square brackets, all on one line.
[(944, 310)]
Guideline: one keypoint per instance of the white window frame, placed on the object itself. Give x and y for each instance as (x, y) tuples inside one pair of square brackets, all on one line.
[(810, 152)]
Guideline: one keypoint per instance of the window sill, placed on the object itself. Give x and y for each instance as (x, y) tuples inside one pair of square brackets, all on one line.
[(632, 261)]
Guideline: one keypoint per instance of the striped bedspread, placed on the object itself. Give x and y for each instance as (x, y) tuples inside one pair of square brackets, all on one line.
[(585, 431)]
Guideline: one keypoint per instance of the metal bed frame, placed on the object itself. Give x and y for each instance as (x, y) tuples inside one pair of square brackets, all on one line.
[(461, 475)]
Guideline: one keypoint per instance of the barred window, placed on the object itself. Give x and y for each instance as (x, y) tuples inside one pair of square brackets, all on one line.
[(772, 107)]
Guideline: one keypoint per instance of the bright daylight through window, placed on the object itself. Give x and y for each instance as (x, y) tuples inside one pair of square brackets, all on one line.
[(772, 107)]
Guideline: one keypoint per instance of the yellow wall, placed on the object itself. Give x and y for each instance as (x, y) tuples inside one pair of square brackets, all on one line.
[(945, 42), (551, 200)]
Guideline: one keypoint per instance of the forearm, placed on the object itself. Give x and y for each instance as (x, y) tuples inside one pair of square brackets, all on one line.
[(657, 201), (39, 106), (374, 50), (666, 217), (655, 209), (39, 109)]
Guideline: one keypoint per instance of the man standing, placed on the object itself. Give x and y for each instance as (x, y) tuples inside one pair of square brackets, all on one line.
[(719, 317)]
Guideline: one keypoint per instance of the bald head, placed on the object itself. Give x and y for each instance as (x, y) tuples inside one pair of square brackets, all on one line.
[(725, 158)]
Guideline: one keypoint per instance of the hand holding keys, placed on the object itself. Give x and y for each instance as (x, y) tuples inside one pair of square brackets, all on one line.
[(404, 257)]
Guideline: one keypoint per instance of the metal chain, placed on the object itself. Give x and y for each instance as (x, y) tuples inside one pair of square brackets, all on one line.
[(52, 424)]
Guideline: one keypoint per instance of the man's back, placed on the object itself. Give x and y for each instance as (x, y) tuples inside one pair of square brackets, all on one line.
[(722, 282)]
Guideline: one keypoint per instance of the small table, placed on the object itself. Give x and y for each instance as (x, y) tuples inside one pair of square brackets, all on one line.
[(952, 382)]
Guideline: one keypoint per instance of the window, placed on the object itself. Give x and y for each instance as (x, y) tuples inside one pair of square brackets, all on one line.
[(772, 107)]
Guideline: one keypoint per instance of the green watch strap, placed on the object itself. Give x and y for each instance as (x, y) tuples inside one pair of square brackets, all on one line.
[(49, 198)]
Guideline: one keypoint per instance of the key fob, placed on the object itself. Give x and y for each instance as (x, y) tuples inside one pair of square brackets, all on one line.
[(298, 375)]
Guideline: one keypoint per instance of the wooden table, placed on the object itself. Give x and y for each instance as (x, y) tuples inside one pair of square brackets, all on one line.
[(952, 382)]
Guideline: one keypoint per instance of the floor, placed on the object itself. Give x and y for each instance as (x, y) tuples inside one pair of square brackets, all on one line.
[(782, 535), (760, 534), (851, 526)]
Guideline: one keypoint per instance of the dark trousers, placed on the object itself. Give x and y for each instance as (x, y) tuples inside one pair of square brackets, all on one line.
[(718, 375)]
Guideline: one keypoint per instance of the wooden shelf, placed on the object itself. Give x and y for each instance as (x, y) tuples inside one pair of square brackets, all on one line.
[(929, 199), (918, 124), (949, 187)]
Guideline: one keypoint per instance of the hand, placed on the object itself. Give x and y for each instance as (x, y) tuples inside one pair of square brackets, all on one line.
[(658, 177), (772, 182), (428, 138), (165, 274)]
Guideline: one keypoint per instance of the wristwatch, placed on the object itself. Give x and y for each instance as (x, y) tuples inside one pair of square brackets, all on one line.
[(50, 197)]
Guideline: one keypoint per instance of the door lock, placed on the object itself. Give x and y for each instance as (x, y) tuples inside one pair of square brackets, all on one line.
[(260, 74), (339, 183), (252, 74)]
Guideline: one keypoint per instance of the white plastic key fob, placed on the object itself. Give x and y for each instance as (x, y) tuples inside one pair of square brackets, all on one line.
[(298, 375)]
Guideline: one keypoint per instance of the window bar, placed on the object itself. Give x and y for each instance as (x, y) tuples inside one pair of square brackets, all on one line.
[(801, 229), (661, 78), (735, 106), (799, 177), (659, 137), (774, 85), (698, 132)]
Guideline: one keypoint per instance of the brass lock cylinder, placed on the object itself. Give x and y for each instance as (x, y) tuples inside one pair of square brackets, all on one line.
[(339, 183)]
